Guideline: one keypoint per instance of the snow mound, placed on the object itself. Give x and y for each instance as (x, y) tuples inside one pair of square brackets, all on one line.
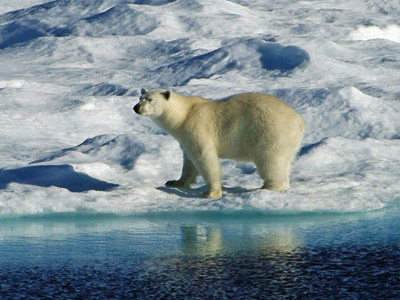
[(118, 20), (63, 176), (76, 18), (243, 56), (123, 150), (350, 113), (104, 89), (364, 33)]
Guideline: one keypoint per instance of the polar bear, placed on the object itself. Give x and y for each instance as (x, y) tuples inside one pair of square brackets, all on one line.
[(251, 127)]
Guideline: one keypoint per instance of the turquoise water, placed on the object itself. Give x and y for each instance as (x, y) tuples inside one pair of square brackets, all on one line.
[(202, 256)]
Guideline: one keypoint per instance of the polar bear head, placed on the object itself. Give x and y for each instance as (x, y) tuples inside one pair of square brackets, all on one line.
[(152, 103)]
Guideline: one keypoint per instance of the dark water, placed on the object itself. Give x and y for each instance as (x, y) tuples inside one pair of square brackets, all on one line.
[(202, 256)]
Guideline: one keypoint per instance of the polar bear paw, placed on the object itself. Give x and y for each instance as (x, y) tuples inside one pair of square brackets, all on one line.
[(173, 183), (177, 183), (275, 186), (213, 194)]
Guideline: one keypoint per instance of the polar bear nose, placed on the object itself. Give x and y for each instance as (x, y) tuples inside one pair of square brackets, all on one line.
[(136, 108)]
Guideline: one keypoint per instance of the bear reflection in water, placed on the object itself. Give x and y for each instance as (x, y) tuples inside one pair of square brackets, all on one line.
[(210, 241), (217, 263)]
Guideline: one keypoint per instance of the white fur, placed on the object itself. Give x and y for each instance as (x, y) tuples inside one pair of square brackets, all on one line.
[(246, 127)]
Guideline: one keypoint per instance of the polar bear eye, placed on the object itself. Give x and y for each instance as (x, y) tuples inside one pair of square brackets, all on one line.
[(149, 99)]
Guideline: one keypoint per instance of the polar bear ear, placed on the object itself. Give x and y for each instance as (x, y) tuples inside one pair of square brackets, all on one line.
[(167, 94), (143, 91)]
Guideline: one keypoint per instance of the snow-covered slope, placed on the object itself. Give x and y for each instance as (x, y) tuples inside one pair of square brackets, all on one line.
[(70, 71)]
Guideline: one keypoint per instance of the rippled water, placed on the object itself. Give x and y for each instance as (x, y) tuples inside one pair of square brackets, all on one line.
[(202, 256)]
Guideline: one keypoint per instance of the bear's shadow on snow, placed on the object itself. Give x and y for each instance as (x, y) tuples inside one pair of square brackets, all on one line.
[(182, 192), (63, 176), (198, 192)]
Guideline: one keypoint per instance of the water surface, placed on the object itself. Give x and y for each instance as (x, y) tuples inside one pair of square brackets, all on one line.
[(202, 256)]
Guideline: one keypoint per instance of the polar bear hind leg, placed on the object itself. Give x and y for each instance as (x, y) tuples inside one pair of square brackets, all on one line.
[(275, 172), (274, 166)]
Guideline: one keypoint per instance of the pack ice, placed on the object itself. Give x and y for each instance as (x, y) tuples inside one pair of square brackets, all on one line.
[(71, 71)]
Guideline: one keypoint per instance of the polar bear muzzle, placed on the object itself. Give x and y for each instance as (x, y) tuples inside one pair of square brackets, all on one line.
[(167, 95), (136, 108)]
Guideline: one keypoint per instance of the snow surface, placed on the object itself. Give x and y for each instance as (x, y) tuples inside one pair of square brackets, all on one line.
[(70, 72)]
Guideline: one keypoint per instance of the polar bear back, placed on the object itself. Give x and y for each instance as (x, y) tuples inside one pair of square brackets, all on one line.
[(243, 125)]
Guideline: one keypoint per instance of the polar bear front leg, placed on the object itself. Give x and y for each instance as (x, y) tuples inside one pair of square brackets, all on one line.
[(189, 175), (208, 165)]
